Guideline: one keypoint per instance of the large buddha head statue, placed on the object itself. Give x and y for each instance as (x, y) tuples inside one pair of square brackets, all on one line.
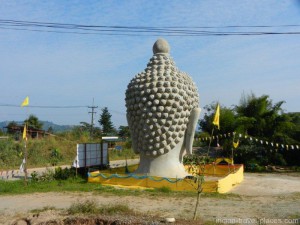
[(162, 113)]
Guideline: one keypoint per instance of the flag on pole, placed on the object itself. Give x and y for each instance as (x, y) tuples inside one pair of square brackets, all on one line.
[(25, 102), (216, 120), (236, 144), (25, 133)]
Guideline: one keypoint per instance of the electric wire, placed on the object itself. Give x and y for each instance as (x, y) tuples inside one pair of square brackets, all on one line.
[(57, 107), (44, 106), (142, 30)]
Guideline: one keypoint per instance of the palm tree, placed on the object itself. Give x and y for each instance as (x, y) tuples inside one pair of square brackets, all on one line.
[(259, 117)]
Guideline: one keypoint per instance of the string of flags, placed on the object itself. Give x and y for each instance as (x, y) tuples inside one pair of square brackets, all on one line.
[(257, 140)]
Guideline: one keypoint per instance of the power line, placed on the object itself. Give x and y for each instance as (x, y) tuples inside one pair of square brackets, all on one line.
[(56, 107), (44, 106), (62, 25), (142, 30)]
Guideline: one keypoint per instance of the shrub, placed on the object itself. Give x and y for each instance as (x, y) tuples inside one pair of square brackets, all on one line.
[(87, 206), (34, 176), (48, 175), (64, 174), (55, 156)]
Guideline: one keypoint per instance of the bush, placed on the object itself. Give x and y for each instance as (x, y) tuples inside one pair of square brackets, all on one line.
[(48, 175), (57, 174), (64, 174), (34, 176), (55, 156), (87, 206), (196, 159), (11, 154)]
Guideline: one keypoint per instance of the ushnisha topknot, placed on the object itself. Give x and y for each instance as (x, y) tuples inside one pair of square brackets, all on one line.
[(159, 102), (161, 46)]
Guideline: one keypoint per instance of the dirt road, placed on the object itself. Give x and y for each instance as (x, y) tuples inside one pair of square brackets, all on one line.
[(264, 196), (10, 174)]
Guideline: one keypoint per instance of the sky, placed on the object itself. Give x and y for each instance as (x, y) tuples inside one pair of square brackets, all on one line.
[(64, 69)]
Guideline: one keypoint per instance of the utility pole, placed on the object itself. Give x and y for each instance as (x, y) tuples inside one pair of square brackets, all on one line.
[(92, 120)]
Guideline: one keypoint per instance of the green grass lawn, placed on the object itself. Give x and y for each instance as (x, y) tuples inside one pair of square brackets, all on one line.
[(71, 185), (81, 185), (18, 187)]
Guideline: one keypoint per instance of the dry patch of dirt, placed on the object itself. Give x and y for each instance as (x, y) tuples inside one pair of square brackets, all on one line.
[(54, 217), (259, 196)]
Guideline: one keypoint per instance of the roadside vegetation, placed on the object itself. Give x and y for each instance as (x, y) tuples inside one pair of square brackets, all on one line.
[(50, 151), (254, 116), (55, 149), (261, 119)]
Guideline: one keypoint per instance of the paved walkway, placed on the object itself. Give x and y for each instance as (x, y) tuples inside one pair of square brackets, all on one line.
[(16, 174)]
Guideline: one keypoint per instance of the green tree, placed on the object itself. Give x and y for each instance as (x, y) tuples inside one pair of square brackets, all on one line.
[(85, 126), (10, 126), (33, 122), (295, 119), (227, 119), (50, 130), (95, 132), (259, 117), (124, 132), (106, 123), (227, 124)]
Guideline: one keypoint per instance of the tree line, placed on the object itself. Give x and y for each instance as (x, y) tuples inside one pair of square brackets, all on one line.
[(106, 127), (257, 117)]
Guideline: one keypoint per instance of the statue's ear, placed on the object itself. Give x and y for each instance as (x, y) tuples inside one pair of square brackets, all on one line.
[(190, 131)]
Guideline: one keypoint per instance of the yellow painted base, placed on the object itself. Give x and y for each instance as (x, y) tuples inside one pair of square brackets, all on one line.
[(217, 178)]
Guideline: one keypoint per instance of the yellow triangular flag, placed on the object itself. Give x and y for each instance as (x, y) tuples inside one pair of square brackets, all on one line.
[(25, 102), (217, 117), (25, 133), (236, 144)]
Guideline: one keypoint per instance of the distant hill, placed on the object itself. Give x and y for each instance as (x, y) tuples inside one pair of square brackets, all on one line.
[(46, 126), (56, 127)]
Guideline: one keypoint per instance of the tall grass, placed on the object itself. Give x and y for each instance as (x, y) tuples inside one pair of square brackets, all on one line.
[(40, 152), (87, 206), (10, 153), (49, 151), (122, 154)]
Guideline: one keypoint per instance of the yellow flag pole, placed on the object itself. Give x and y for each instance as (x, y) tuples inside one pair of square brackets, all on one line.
[(216, 122), (210, 140), (25, 155), (25, 103)]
